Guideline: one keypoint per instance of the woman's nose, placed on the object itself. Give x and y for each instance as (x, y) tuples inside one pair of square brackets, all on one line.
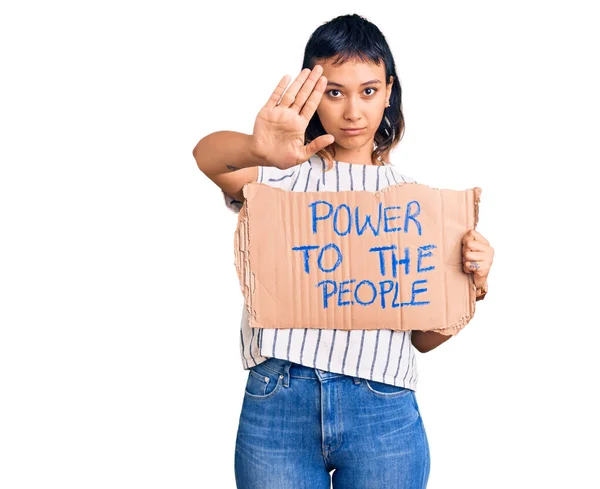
[(352, 109)]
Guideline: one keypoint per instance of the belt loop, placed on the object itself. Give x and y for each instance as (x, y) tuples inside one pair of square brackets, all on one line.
[(356, 380), (286, 373)]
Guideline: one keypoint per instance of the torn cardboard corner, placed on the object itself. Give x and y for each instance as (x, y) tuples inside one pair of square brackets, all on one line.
[(348, 260)]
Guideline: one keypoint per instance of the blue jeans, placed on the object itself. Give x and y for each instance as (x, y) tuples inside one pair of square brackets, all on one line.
[(298, 424)]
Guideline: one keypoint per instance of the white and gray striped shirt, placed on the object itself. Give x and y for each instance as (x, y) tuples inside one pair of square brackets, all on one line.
[(382, 355)]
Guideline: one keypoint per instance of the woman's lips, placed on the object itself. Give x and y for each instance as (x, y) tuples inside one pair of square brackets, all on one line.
[(352, 132)]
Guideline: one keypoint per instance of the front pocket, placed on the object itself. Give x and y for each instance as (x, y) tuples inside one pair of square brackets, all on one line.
[(386, 390), (263, 384)]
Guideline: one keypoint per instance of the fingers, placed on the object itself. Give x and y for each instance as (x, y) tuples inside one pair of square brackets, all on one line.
[(308, 85), (476, 261), (276, 95), (479, 268), (472, 245), (303, 95), (310, 106), (471, 234), (291, 93), (475, 267), (317, 145), (477, 254), (474, 256)]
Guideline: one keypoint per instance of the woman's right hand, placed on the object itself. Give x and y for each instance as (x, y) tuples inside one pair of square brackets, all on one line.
[(278, 136)]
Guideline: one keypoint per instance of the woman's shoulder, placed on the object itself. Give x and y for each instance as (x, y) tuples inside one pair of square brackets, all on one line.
[(276, 177), (400, 177), (269, 175)]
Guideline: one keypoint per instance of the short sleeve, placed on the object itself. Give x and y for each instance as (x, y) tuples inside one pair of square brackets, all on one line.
[(235, 205), (269, 175), (400, 177), (231, 203)]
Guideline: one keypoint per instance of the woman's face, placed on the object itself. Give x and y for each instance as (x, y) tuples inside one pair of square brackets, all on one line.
[(350, 102)]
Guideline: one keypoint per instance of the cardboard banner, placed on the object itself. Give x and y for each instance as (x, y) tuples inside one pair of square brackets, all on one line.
[(347, 260)]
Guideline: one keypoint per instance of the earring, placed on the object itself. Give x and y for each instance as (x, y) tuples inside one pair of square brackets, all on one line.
[(388, 103)]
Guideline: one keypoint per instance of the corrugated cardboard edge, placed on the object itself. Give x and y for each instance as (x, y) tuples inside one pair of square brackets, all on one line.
[(473, 199), (242, 259), (242, 247)]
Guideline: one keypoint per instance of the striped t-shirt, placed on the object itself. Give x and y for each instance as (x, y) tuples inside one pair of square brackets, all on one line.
[(381, 355)]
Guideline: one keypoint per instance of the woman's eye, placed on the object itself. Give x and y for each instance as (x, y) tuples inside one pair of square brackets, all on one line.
[(368, 88)]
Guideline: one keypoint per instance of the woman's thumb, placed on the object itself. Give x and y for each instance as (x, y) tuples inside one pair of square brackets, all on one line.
[(319, 143)]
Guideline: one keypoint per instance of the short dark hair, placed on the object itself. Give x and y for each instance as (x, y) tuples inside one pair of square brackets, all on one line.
[(352, 37)]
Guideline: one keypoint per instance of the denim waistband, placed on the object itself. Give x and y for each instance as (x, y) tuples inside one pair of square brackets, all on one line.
[(288, 369)]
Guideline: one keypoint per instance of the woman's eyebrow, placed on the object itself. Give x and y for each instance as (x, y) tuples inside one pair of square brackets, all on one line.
[(371, 82)]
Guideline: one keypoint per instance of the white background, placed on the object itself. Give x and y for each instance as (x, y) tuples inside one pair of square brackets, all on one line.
[(117, 275)]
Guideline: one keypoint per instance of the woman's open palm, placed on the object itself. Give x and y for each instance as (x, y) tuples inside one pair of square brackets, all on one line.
[(278, 135)]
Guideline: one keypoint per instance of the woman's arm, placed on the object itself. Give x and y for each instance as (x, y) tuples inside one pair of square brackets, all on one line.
[(425, 341), (228, 159)]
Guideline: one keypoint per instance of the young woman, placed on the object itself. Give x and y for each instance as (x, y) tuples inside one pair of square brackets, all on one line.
[(318, 401)]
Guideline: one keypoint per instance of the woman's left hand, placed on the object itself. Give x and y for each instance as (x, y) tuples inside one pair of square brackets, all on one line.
[(478, 256)]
